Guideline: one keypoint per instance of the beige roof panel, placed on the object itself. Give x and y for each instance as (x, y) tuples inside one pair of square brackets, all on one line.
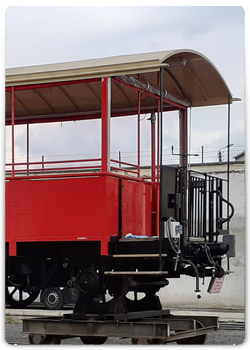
[(188, 76)]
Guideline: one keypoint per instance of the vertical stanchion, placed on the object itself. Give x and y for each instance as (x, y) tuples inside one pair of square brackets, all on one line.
[(120, 159), (12, 128), (42, 162), (228, 153), (139, 133), (153, 120), (28, 148), (106, 100), (161, 233), (183, 164)]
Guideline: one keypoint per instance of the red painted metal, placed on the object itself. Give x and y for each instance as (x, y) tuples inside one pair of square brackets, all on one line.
[(158, 130), (84, 116), (105, 123), (126, 170), (125, 163), (153, 170), (139, 130), (157, 209), (54, 169), (158, 141), (75, 208), (28, 148), (50, 85), (153, 151), (12, 128), (48, 175), (29, 166), (58, 162), (137, 209)]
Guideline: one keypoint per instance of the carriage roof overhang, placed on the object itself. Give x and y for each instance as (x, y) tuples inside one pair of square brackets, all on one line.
[(188, 77)]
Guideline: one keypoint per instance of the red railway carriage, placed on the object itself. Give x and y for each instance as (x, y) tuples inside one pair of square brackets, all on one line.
[(98, 225)]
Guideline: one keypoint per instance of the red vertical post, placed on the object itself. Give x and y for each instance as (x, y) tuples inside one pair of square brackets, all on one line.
[(106, 99), (28, 148), (12, 128), (154, 198), (158, 131), (158, 142), (106, 105), (157, 187), (139, 132)]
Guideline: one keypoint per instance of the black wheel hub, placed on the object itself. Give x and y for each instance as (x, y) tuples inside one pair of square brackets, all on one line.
[(52, 298), (88, 282)]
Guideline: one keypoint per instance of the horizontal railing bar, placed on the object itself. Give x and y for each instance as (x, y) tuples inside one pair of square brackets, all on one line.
[(126, 170), (120, 162), (53, 169), (55, 162), (205, 175)]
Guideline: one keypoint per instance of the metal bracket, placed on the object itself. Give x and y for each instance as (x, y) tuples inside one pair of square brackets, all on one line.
[(182, 154)]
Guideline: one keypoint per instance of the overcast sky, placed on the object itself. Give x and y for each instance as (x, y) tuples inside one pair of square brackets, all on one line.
[(40, 35)]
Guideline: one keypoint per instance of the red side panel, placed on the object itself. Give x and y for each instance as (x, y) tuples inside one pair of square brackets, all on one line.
[(56, 209), (66, 209), (112, 204), (137, 208)]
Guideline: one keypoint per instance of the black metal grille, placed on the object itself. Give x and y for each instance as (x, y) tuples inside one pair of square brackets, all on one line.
[(205, 211)]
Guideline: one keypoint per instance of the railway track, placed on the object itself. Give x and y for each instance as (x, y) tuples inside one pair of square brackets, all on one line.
[(231, 326)]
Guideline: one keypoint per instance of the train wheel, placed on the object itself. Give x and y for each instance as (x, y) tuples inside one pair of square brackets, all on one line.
[(17, 293), (91, 340), (37, 339), (52, 299), (142, 301), (99, 295)]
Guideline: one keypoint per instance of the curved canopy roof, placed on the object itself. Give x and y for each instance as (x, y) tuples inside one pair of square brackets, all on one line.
[(188, 76)]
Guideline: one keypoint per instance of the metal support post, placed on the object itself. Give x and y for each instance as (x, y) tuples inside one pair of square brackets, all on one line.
[(183, 138), (228, 153), (161, 116), (12, 128), (106, 109), (183, 164), (139, 132), (161, 233), (153, 121), (120, 159), (28, 148)]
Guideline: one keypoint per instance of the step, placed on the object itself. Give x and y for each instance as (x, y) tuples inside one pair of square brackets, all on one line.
[(138, 255), (134, 273)]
